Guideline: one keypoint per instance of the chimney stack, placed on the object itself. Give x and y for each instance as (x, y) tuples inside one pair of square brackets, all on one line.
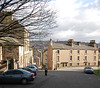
[(97, 45), (70, 42), (92, 43), (79, 43), (50, 43)]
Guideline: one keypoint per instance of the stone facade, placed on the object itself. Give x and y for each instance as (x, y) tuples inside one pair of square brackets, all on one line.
[(71, 54), (15, 45), (37, 56), (9, 52), (45, 58)]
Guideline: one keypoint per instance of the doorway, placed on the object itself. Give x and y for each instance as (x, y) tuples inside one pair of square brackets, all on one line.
[(11, 64)]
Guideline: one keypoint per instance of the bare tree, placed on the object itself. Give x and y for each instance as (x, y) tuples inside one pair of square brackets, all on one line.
[(35, 15)]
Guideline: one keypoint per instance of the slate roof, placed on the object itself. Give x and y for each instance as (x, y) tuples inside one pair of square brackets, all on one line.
[(80, 47), (63, 45)]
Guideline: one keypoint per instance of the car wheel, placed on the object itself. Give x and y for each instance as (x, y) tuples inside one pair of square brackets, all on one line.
[(24, 81)]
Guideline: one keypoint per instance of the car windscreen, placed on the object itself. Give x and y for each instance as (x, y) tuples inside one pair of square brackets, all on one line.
[(88, 68)]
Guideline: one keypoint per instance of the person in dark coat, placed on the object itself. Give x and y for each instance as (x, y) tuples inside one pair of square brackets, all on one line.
[(46, 70)]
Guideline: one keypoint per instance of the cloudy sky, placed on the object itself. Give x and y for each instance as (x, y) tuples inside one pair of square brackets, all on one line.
[(77, 19)]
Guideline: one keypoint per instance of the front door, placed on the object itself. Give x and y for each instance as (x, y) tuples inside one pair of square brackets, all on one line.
[(58, 65), (11, 64), (85, 63)]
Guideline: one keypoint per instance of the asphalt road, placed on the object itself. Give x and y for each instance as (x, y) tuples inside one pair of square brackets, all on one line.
[(60, 79)]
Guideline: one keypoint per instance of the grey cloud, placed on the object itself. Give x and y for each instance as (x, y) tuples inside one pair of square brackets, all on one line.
[(80, 25)]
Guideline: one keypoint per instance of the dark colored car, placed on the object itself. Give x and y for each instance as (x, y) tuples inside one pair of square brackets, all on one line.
[(30, 70), (88, 70), (16, 75)]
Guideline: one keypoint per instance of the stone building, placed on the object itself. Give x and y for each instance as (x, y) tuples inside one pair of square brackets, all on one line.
[(37, 56), (15, 46), (98, 57), (9, 52), (71, 54), (18, 54)]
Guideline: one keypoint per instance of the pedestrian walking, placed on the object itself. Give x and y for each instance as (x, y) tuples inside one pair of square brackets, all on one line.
[(46, 70)]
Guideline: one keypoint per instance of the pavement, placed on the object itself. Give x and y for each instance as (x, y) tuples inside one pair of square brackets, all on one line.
[(75, 68)]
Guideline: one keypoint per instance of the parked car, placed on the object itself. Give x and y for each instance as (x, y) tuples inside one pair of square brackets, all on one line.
[(36, 66), (33, 67), (40, 67), (88, 70), (30, 70), (16, 75)]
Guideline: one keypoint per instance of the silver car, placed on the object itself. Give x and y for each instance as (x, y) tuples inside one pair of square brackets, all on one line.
[(88, 70), (32, 67), (16, 75)]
